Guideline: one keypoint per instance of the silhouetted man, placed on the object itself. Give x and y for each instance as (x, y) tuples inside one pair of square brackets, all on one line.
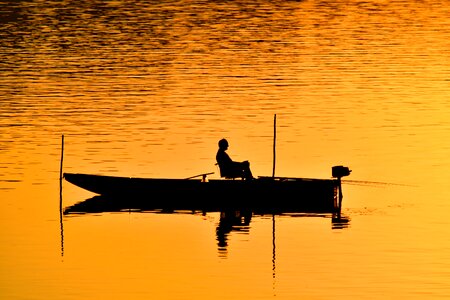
[(230, 168)]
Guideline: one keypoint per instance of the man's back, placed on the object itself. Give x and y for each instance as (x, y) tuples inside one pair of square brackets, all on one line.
[(225, 162), (223, 158)]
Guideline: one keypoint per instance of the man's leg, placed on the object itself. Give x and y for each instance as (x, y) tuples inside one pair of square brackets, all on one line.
[(246, 169)]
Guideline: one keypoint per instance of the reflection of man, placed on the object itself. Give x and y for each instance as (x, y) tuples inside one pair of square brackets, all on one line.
[(230, 168), (231, 220)]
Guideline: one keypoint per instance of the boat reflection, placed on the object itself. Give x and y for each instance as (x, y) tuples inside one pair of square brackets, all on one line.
[(231, 219)]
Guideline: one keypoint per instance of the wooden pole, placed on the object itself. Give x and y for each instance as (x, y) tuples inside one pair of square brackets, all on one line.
[(62, 158), (340, 196), (274, 142), (61, 196)]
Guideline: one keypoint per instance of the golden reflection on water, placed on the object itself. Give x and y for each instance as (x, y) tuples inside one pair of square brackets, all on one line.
[(147, 89)]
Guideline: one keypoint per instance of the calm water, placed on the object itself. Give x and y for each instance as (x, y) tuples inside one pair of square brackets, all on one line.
[(147, 88)]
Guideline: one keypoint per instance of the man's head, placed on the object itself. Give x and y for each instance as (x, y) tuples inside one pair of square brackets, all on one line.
[(223, 144)]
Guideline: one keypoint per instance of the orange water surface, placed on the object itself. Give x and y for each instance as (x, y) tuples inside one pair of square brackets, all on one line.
[(146, 89)]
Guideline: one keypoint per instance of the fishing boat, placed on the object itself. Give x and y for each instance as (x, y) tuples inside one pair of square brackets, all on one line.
[(200, 193), (264, 193)]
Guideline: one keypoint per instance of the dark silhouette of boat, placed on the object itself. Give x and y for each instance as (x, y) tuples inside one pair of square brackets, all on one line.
[(262, 194)]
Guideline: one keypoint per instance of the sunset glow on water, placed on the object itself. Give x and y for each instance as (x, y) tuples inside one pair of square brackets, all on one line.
[(146, 89)]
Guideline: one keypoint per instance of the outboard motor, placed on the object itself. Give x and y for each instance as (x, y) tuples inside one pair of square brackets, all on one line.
[(339, 172)]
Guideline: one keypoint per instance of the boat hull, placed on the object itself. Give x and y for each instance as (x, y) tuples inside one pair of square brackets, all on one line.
[(264, 193)]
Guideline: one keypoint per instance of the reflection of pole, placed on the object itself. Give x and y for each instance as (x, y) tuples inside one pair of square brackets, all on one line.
[(273, 247), (274, 142), (273, 254), (61, 222)]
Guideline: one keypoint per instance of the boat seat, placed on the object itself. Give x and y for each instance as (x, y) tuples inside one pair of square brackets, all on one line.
[(227, 175)]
